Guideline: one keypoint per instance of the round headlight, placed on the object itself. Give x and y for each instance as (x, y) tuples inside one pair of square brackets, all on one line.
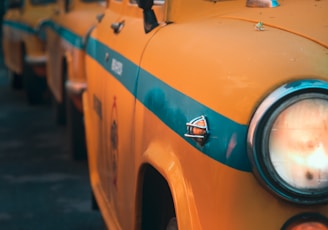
[(288, 142), (298, 144), (306, 221)]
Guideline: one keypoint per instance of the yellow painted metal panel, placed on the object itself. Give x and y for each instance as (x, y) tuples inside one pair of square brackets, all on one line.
[(72, 29), (213, 55)]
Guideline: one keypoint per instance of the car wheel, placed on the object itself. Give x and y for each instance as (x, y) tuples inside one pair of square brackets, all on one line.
[(16, 80), (76, 132), (60, 112), (94, 203), (61, 107), (173, 224), (35, 87), (158, 211)]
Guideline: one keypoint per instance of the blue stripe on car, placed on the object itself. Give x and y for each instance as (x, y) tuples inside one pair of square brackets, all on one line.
[(72, 38), (227, 140), (19, 26)]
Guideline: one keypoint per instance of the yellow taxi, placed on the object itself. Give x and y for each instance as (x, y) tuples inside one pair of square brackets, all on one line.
[(24, 45), (66, 33), (209, 114)]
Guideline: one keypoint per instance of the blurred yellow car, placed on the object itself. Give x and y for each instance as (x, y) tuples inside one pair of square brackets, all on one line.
[(206, 114), (66, 34), (24, 45)]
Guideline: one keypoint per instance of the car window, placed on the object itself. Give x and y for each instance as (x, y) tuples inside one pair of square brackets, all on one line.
[(41, 2)]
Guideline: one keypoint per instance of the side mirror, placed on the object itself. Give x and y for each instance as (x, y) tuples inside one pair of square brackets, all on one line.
[(67, 5), (150, 20), (13, 4)]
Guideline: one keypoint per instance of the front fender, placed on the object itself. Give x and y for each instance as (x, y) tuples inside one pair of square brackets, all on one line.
[(168, 165)]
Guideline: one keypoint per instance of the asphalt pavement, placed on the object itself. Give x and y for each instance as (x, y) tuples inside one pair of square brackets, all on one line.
[(41, 187)]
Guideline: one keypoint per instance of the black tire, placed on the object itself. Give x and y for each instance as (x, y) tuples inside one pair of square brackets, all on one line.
[(158, 210), (172, 224), (76, 132), (16, 80), (60, 112), (94, 203), (61, 107), (35, 87)]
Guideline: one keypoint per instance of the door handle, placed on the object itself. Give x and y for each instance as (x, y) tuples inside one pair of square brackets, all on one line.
[(117, 26), (100, 16)]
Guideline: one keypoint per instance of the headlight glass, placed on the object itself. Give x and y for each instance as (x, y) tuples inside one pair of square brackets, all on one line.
[(298, 144), (288, 142)]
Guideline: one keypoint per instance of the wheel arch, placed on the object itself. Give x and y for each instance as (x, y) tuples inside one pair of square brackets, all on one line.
[(163, 169), (156, 205)]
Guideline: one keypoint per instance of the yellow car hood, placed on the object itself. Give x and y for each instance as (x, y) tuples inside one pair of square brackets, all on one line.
[(306, 18)]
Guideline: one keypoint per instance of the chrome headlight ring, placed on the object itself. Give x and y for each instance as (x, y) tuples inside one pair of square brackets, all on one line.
[(288, 142)]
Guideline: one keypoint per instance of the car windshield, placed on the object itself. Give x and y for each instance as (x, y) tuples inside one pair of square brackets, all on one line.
[(42, 2)]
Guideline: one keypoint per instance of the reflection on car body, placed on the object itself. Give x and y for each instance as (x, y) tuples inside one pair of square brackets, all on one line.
[(209, 114)]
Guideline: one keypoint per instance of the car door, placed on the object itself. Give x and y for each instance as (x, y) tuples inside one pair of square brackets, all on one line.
[(114, 51)]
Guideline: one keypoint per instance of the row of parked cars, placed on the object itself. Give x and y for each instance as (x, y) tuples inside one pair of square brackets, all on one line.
[(192, 114)]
